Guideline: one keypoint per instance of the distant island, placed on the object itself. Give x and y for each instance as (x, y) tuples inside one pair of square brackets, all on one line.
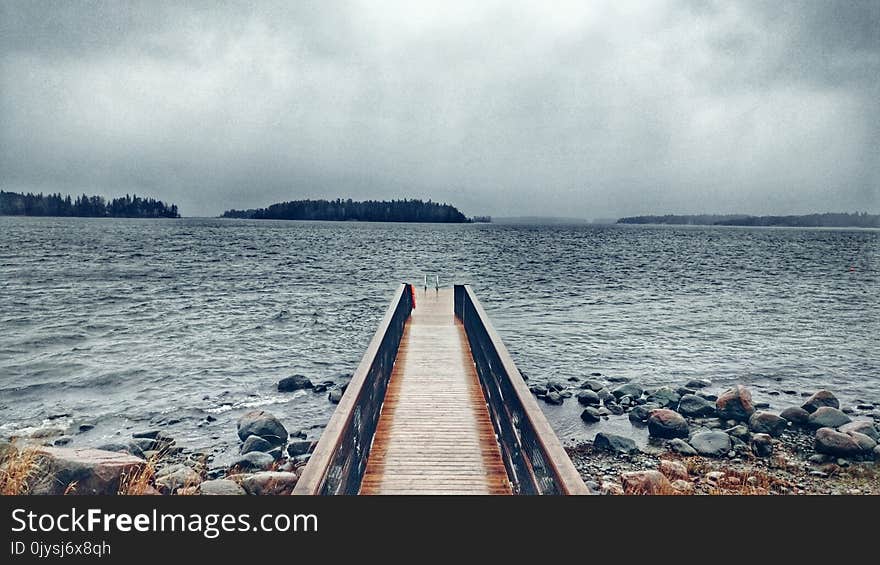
[(826, 220), (15, 204), (350, 210)]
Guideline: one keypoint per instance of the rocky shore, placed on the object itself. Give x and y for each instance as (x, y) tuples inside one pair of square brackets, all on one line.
[(268, 461), (698, 443), (702, 443)]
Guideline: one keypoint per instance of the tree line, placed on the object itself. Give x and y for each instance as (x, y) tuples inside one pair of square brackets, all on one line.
[(350, 210), (15, 204), (825, 220)]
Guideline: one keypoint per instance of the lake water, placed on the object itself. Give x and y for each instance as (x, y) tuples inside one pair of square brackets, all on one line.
[(130, 324)]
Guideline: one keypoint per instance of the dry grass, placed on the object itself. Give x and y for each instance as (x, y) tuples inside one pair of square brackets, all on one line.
[(139, 481), (18, 466)]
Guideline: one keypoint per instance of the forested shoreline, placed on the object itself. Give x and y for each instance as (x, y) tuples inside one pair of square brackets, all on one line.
[(350, 210), (84, 206), (825, 220)]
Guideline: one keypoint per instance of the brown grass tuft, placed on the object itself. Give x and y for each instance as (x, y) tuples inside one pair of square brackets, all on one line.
[(17, 468), (139, 481)]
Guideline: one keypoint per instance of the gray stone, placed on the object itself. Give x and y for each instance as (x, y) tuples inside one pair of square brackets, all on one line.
[(832, 442), (820, 399), (628, 389), (539, 390), (877, 452), (863, 427), (590, 415), (762, 445), (86, 427), (615, 409), (664, 397), (865, 442), (588, 398), (255, 443), (614, 443), (796, 415), (818, 458), (553, 398), (595, 386), (695, 406), (86, 471), (555, 386), (295, 382), (129, 448), (269, 483), (617, 379), (735, 404), (220, 487), (335, 396), (827, 417), (681, 447), (740, 432), (263, 424), (708, 396), (565, 394), (625, 401), (665, 423), (767, 423), (297, 448), (603, 411), (253, 461), (605, 396), (182, 477), (683, 390), (698, 383), (712, 443), (639, 414), (62, 441)]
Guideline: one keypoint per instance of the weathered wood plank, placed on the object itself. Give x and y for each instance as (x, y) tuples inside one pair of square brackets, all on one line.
[(435, 435)]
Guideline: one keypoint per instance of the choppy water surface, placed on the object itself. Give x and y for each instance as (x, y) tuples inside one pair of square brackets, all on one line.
[(129, 324)]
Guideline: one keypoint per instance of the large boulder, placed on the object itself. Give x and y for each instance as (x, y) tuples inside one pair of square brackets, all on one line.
[(84, 471), (712, 443), (646, 482), (828, 417), (865, 442), (220, 487), (262, 424), (588, 398), (767, 423), (735, 404), (666, 423), (269, 483), (862, 427), (294, 382), (614, 443), (820, 399), (664, 397), (832, 442), (795, 415), (628, 389), (696, 406)]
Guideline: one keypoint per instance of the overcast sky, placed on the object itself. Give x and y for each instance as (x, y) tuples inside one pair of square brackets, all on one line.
[(588, 109)]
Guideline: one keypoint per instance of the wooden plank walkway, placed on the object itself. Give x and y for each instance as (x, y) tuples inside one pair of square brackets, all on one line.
[(435, 435)]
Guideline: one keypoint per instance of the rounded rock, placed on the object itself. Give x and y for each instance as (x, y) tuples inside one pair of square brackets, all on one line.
[(735, 404), (828, 417), (767, 423), (665, 423), (820, 399)]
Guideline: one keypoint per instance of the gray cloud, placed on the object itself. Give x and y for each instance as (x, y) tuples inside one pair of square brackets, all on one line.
[(505, 108)]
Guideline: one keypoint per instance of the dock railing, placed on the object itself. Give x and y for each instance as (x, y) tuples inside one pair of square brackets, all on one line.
[(535, 459), (337, 465)]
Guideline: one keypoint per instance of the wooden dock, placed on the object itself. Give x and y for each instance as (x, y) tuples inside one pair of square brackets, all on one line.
[(435, 435), (437, 406)]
